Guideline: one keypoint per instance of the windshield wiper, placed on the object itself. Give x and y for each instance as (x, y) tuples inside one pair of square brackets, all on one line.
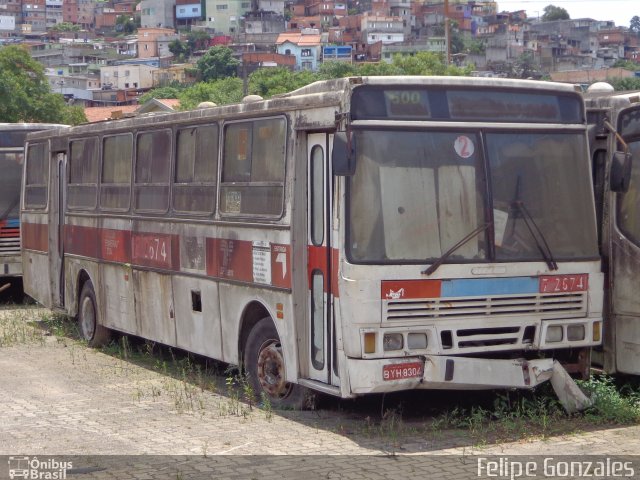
[(539, 239), (434, 266)]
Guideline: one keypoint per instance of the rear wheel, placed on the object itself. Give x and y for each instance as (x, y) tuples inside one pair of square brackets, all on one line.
[(264, 363), (88, 319)]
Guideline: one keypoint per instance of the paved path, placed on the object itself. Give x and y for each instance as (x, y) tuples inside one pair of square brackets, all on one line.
[(58, 398)]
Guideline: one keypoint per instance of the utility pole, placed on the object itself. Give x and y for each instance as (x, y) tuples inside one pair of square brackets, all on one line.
[(447, 40)]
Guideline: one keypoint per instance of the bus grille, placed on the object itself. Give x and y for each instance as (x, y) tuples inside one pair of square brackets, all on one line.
[(9, 239), (541, 305)]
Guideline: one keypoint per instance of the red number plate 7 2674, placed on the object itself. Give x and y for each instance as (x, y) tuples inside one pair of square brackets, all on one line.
[(564, 283)]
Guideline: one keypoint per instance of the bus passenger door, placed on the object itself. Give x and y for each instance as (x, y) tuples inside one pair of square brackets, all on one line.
[(56, 230), (319, 268)]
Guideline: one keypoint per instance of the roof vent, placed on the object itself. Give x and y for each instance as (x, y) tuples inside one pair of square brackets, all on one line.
[(252, 98), (600, 87)]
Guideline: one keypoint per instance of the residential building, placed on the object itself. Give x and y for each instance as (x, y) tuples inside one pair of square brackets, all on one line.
[(224, 16), (154, 42), (383, 29), (34, 16), (304, 46), (53, 12), (157, 13), (122, 77), (188, 12)]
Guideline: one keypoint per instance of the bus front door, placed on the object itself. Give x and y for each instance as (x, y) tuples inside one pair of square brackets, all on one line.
[(321, 327)]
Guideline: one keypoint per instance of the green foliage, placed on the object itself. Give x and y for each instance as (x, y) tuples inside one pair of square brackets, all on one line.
[(179, 50), (627, 65), (73, 115), (634, 24), (217, 63), (65, 27), (622, 84), (25, 93), (126, 24), (335, 69), (197, 40), (551, 13), (612, 404), (426, 63), (476, 47), (171, 91), (267, 82), (221, 92)]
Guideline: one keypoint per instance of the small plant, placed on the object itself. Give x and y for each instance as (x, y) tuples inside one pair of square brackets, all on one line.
[(610, 404)]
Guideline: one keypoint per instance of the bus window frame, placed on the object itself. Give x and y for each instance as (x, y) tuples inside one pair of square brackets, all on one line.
[(47, 168), (98, 166), (101, 172), (134, 167), (174, 172), (283, 184)]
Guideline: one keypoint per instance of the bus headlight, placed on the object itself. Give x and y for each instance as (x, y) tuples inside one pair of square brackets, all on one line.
[(554, 334), (575, 332), (392, 341), (417, 341)]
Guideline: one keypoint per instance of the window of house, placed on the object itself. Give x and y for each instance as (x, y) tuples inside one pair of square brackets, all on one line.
[(194, 186), (253, 168), (83, 174), (221, 7), (305, 52), (153, 156)]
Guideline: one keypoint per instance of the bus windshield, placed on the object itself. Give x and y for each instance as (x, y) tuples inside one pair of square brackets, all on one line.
[(416, 194), (11, 168)]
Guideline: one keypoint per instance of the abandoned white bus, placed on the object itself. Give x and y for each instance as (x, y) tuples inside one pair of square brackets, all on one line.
[(353, 236), (614, 134), (12, 138)]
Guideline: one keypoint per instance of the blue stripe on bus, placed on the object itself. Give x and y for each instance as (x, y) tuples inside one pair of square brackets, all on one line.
[(13, 222), (475, 287)]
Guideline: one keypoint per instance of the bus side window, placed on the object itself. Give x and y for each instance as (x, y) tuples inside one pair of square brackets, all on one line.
[(253, 168), (153, 155), (37, 177), (194, 188), (83, 174), (115, 186)]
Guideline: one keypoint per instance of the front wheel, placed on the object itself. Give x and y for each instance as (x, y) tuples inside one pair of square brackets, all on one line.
[(264, 363), (88, 319)]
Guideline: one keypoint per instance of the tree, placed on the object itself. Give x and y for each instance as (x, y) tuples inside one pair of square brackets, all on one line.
[(161, 92), (221, 92), (24, 90), (73, 115), (551, 13), (179, 50), (197, 40), (634, 24), (524, 67), (217, 63), (267, 82), (126, 24)]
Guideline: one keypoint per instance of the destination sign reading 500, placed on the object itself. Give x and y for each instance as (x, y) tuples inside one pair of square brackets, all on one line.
[(406, 103)]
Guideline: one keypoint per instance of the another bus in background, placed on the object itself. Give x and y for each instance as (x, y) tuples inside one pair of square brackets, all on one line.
[(12, 138)]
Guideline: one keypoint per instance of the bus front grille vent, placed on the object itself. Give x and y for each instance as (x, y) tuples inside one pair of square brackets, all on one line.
[(572, 304)]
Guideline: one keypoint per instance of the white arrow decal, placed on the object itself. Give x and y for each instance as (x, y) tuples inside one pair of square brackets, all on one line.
[(282, 258)]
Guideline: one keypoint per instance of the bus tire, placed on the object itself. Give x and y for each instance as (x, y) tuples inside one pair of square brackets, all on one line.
[(264, 365), (88, 319)]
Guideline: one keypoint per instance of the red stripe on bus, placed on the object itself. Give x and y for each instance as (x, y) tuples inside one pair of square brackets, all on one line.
[(230, 259), (115, 245), (317, 260), (35, 236), (280, 265), (83, 241), (405, 289)]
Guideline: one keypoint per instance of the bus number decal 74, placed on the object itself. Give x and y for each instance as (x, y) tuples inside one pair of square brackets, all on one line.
[(151, 249)]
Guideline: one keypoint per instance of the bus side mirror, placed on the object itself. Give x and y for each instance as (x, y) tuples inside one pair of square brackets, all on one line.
[(343, 155), (620, 175)]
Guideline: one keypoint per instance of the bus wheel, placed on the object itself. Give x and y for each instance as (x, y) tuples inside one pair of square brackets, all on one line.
[(264, 364), (95, 334)]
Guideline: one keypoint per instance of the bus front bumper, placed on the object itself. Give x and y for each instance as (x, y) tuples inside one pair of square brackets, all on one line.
[(446, 372)]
